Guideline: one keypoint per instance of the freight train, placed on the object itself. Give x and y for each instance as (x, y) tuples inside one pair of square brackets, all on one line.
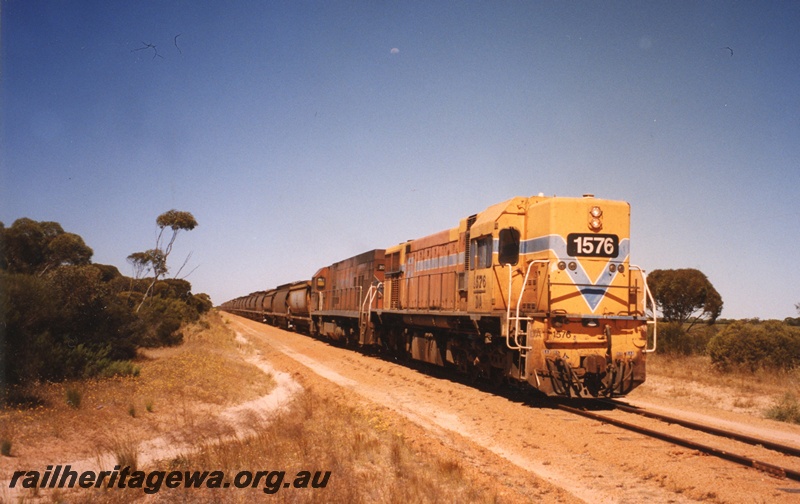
[(534, 291)]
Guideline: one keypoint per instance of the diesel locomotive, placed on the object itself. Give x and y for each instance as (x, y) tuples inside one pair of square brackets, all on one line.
[(536, 291)]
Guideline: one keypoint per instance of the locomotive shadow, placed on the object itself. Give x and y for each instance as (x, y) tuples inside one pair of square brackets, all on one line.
[(519, 393)]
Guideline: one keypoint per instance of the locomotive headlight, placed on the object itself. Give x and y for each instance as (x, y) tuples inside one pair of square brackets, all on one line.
[(595, 215), (572, 266), (562, 265), (621, 268), (612, 267)]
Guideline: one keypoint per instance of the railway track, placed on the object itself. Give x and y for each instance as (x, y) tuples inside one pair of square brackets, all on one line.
[(778, 447), (775, 470)]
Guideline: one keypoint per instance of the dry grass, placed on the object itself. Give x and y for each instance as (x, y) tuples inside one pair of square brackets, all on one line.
[(369, 460), (178, 391), (694, 379), (174, 388)]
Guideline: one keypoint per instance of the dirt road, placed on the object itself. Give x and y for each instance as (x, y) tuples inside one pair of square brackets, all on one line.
[(532, 447)]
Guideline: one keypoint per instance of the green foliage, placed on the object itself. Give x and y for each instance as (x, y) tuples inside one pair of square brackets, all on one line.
[(67, 248), (33, 247), (108, 273), (201, 302), (153, 261), (74, 398), (675, 340), (163, 318), (176, 220), (141, 262), (67, 318), (685, 296), (120, 368), (785, 410), (753, 345)]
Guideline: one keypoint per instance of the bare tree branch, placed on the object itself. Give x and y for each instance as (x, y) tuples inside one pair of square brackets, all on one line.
[(185, 261)]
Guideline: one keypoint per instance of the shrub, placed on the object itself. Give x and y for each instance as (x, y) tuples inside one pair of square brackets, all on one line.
[(674, 339), (120, 368), (754, 345), (74, 398), (201, 302), (5, 447), (29, 311), (785, 410), (63, 317), (163, 319)]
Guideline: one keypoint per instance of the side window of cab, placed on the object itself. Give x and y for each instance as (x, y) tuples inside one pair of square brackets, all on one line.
[(509, 246), (481, 252)]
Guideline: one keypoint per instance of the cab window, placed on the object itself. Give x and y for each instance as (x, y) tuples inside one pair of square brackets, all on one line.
[(509, 246), (481, 252)]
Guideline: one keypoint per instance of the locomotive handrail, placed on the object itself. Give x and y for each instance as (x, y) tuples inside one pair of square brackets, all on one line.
[(649, 295), (517, 318), (371, 293)]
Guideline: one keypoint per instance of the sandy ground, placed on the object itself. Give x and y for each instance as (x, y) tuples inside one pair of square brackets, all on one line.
[(592, 461), (528, 449)]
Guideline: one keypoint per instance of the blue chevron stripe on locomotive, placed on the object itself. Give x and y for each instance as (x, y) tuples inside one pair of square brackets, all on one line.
[(556, 243)]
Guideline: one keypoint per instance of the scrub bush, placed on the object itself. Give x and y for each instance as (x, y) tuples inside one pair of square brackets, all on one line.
[(74, 398), (754, 345), (64, 317), (674, 339), (785, 410)]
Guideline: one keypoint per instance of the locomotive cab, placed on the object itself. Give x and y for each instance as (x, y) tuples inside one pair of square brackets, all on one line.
[(580, 327)]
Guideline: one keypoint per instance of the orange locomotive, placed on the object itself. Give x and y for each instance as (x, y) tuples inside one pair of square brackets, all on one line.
[(535, 290)]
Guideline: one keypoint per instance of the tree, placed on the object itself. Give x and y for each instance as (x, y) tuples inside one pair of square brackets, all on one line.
[(63, 317), (33, 247), (685, 296), (67, 248), (156, 259), (145, 262)]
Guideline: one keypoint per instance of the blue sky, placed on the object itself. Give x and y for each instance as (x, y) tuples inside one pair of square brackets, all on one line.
[(301, 133)]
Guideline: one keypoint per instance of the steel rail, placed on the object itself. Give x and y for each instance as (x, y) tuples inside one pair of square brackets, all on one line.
[(773, 469), (785, 449)]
